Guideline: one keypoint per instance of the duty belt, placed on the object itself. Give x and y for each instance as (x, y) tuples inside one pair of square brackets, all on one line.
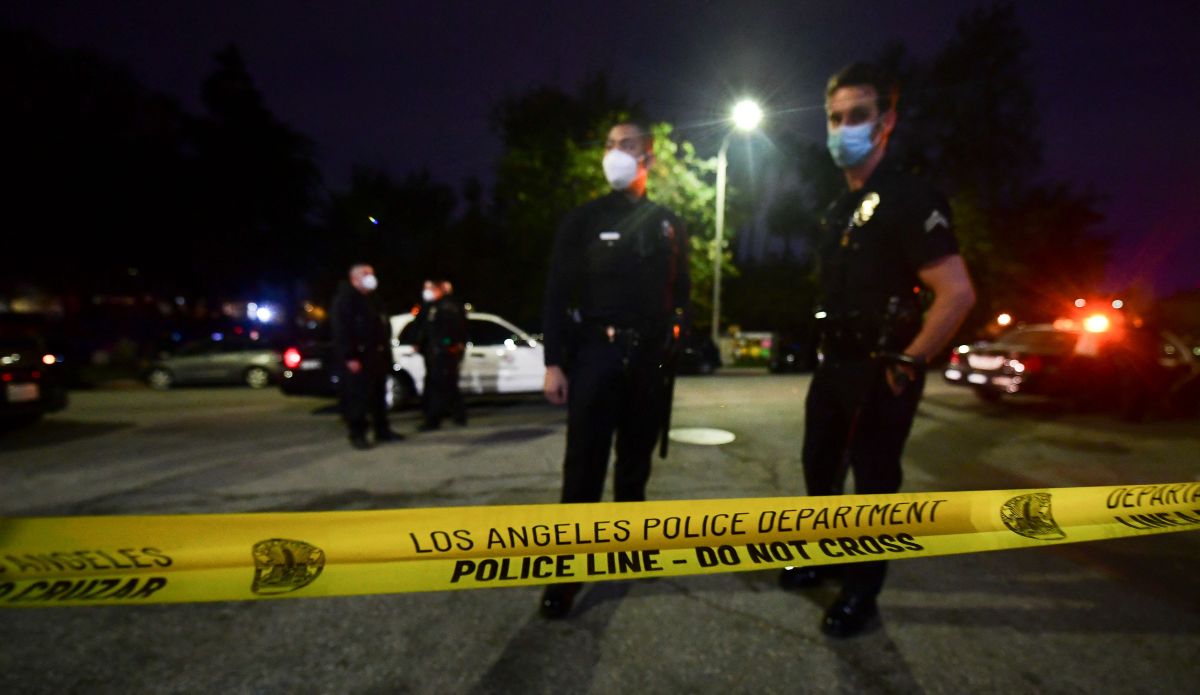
[(625, 336), (846, 346)]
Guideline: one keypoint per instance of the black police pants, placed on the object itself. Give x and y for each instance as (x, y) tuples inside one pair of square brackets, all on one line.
[(612, 389), (365, 394), (853, 422), (441, 396)]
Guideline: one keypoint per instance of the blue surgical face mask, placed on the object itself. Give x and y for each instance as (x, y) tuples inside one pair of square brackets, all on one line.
[(850, 144)]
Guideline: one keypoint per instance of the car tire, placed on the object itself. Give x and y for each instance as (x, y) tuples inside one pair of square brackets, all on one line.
[(160, 379), (257, 378), (988, 395), (705, 368)]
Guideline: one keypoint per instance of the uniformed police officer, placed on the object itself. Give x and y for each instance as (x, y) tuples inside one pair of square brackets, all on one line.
[(441, 338), (884, 238), (362, 339), (621, 261)]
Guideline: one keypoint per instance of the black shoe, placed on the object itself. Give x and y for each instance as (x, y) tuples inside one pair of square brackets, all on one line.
[(388, 436), (359, 441), (429, 426), (557, 600), (792, 578), (849, 615)]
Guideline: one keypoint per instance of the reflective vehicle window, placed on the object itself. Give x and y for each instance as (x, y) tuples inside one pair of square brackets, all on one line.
[(1038, 341), (198, 348), (481, 332)]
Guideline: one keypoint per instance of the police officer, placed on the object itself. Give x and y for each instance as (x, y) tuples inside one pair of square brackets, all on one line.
[(441, 338), (886, 236), (362, 338), (621, 262)]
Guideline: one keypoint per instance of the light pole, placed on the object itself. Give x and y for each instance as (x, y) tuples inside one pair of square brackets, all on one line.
[(746, 117)]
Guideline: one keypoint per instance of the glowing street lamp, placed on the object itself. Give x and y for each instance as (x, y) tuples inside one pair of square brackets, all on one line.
[(746, 117)]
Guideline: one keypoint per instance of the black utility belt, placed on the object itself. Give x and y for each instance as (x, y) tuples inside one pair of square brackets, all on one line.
[(600, 332), (848, 345)]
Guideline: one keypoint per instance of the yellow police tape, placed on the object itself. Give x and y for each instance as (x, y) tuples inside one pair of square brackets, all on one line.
[(221, 557)]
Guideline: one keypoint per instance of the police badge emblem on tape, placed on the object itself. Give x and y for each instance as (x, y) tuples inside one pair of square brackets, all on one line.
[(282, 566), (1029, 516)]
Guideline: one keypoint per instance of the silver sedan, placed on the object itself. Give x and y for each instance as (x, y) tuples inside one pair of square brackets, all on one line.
[(227, 360)]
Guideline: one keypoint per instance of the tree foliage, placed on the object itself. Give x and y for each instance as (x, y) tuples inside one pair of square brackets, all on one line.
[(972, 125), (95, 165), (147, 197), (256, 182)]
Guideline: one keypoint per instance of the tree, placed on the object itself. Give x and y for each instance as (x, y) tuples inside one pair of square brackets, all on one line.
[(255, 180), (970, 118), (96, 162)]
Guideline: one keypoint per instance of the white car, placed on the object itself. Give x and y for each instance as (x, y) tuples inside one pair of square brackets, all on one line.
[(500, 358)]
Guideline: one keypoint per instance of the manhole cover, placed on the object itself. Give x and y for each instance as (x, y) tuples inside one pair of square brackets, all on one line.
[(706, 436)]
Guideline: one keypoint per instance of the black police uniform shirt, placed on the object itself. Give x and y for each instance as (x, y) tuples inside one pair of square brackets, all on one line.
[(621, 262), (872, 245), (360, 325)]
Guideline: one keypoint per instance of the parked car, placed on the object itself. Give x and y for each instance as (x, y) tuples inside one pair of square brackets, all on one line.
[(220, 359), (500, 358), (32, 375), (1131, 370), (308, 368), (698, 356)]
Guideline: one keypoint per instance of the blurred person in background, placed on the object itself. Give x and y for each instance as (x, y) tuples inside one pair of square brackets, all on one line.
[(362, 338)]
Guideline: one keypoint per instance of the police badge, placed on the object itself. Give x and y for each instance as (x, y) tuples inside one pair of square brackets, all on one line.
[(282, 565), (1029, 516), (866, 209)]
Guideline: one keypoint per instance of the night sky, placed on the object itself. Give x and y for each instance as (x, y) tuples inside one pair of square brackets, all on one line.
[(404, 84)]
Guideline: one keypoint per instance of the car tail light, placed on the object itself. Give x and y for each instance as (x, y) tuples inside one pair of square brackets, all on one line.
[(291, 358), (955, 360), (1096, 323), (1027, 364)]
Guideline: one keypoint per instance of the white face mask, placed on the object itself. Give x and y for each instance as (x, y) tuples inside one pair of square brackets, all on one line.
[(369, 282), (620, 168), (428, 295)]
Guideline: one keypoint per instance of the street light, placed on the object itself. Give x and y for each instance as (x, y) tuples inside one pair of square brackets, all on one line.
[(746, 117)]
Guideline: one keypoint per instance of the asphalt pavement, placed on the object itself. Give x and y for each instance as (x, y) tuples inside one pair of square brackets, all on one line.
[(1115, 616)]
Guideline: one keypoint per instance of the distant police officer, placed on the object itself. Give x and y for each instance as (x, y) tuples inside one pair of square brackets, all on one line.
[(441, 338), (621, 261), (884, 238), (362, 338)]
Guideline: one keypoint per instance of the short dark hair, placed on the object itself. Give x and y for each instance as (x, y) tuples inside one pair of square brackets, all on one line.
[(866, 75), (647, 135)]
